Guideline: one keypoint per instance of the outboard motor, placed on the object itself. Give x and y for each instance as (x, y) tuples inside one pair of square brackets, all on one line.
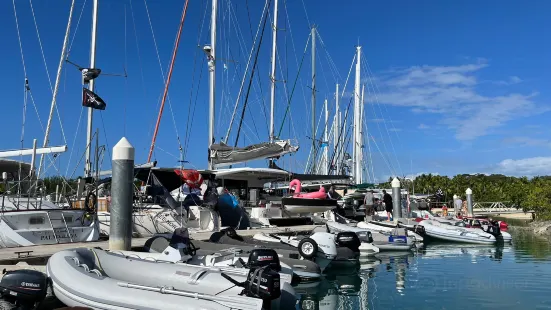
[(365, 236), (24, 288), (263, 283), (419, 229), (349, 240), (259, 258), (493, 228)]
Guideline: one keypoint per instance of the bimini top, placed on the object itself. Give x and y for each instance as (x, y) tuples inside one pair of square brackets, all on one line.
[(255, 177)]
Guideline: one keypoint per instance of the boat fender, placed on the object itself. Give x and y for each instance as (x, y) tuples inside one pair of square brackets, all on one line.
[(26, 288), (308, 248)]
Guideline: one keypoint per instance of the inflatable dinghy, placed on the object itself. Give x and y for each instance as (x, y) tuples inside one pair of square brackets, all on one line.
[(384, 241), (227, 249), (329, 253), (102, 280), (378, 228), (448, 232)]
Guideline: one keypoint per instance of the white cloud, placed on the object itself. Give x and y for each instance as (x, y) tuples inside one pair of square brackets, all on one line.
[(423, 126), (452, 91), (526, 141), (512, 80), (525, 167)]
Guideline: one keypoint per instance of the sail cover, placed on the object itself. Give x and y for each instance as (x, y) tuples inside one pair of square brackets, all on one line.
[(225, 155)]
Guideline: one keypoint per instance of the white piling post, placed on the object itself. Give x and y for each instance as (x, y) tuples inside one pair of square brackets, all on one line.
[(120, 230), (469, 193), (396, 199)]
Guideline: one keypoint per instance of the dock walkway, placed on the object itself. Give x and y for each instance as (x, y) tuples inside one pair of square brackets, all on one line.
[(39, 254)]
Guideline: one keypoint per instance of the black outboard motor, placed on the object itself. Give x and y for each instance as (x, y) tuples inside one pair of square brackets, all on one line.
[(264, 257), (493, 228), (25, 288), (262, 283), (349, 240), (365, 236), (419, 229)]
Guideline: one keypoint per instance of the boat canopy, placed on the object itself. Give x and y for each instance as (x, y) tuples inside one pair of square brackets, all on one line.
[(255, 177), (224, 155)]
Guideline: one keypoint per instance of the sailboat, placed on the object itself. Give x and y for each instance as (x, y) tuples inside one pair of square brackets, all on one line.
[(26, 217)]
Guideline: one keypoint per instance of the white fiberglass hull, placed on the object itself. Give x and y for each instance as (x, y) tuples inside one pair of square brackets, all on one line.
[(40, 227)]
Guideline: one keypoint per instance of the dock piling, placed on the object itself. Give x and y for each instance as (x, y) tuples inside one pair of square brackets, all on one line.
[(120, 230), (396, 199), (469, 193)]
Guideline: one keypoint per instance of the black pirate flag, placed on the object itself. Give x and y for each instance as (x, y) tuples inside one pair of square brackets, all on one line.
[(91, 100)]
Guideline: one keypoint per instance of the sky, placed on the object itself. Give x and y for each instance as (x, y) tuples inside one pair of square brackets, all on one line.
[(451, 86)]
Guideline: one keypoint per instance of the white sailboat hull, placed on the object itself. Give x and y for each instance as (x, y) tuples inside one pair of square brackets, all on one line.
[(39, 227)]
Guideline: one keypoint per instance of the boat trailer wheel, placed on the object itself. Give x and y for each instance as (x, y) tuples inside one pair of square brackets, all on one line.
[(308, 248)]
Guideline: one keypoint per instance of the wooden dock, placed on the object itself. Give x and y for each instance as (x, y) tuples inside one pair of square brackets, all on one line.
[(39, 254)]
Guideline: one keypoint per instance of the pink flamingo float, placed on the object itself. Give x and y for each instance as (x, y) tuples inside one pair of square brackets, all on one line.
[(297, 194)]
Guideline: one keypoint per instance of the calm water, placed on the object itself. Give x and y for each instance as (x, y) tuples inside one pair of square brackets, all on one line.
[(443, 276)]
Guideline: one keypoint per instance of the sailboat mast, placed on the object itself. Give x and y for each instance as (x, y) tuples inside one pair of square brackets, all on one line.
[(326, 141), (210, 51), (314, 99), (272, 75), (360, 147), (56, 87), (336, 131), (357, 138), (88, 165)]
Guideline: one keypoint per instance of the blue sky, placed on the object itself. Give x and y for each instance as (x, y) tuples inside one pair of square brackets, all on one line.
[(455, 86)]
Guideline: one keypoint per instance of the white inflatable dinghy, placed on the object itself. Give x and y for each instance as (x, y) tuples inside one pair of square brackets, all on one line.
[(102, 280)]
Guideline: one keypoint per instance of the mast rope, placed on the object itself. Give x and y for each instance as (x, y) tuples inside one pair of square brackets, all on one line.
[(191, 111), (246, 69), (25, 98), (82, 108), (375, 89), (53, 106), (46, 67), (306, 106), (140, 62), (161, 68), (294, 85), (251, 78)]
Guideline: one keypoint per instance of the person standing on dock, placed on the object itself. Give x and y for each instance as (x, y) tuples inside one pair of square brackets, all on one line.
[(368, 202), (457, 204), (387, 199)]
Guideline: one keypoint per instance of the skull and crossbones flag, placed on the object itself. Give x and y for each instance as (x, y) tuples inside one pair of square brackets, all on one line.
[(91, 100)]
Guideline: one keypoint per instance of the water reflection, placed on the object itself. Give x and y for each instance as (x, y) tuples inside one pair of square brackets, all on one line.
[(454, 276)]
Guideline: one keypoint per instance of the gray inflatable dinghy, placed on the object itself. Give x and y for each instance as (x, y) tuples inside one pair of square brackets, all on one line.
[(102, 280), (384, 241), (302, 270)]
